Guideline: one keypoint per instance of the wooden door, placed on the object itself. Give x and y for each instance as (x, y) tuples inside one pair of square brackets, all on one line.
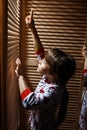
[(60, 24)]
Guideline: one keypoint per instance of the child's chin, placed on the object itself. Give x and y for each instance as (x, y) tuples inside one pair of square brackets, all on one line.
[(38, 70)]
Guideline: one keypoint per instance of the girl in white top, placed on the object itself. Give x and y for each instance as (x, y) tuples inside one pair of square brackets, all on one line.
[(56, 67)]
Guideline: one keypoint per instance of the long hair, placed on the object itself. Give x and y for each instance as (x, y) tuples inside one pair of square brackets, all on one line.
[(62, 64)]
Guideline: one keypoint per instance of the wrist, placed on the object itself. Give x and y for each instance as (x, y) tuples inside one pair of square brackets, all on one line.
[(31, 25), (21, 77)]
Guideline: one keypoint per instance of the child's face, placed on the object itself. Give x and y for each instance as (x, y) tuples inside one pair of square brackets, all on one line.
[(43, 67)]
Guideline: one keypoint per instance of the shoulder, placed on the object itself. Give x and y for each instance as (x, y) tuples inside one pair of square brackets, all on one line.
[(56, 88)]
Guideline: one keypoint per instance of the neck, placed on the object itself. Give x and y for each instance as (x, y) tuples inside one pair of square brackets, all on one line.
[(50, 79)]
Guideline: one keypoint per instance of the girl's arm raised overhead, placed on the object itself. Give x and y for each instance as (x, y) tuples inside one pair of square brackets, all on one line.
[(39, 50)]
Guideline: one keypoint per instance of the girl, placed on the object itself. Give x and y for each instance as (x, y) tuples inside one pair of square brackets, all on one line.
[(83, 114), (56, 67)]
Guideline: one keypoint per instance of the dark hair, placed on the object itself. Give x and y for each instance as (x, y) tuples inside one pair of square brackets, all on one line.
[(62, 64)]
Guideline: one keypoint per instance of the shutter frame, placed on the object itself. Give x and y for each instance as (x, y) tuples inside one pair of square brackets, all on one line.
[(13, 41)]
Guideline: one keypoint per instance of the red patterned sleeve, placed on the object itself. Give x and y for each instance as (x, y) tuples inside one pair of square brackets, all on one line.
[(39, 51), (25, 93)]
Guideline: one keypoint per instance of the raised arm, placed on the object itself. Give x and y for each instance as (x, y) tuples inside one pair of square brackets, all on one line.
[(39, 50), (25, 92), (21, 80)]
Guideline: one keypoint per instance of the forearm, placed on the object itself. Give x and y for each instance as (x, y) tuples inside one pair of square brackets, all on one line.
[(38, 47), (39, 50), (37, 42), (22, 84)]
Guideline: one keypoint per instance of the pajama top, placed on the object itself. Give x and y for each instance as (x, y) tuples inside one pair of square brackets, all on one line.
[(43, 101), (83, 114)]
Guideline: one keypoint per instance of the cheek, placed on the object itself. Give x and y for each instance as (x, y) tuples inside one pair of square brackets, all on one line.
[(43, 69), (40, 67)]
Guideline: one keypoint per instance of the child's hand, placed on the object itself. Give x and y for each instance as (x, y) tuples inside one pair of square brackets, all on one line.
[(18, 69), (84, 51), (29, 20)]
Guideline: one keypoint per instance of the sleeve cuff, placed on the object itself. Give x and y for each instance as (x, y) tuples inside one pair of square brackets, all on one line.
[(40, 52), (84, 71), (25, 93)]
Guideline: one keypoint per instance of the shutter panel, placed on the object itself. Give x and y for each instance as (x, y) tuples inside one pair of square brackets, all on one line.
[(13, 39), (60, 24)]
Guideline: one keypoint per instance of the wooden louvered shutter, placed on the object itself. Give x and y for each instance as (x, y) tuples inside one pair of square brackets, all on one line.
[(60, 24), (13, 40)]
